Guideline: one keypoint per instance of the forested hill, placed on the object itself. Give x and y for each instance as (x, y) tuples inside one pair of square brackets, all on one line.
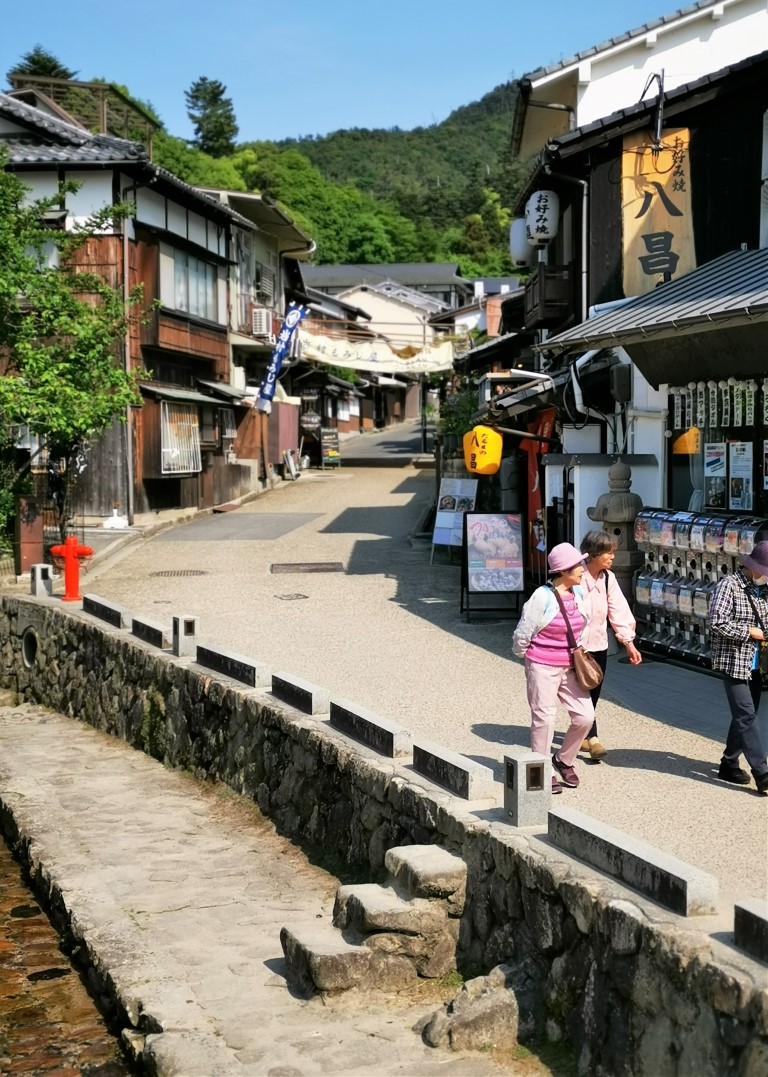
[(438, 193), (438, 169)]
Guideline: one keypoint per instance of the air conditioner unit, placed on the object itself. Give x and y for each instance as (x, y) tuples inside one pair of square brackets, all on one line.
[(261, 322)]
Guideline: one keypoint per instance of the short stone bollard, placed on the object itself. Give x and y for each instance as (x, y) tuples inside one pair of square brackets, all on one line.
[(41, 581), (184, 636), (527, 788)]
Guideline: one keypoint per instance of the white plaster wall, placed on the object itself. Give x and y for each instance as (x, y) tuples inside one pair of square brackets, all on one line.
[(197, 231), (177, 219), (404, 324), (95, 193), (150, 207), (696, 46), (41, 184)]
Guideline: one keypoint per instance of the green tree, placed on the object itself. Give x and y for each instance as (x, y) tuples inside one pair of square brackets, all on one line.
[(193, 166), (59, 325), (212, 116), (38, 61)]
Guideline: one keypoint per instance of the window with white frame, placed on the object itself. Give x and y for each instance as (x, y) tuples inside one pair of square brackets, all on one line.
[(228, 424), (354, 406), (342, 409), (195, 285), (179, 438)]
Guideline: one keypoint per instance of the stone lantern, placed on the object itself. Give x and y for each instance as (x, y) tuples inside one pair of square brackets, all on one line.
[(616, 511)]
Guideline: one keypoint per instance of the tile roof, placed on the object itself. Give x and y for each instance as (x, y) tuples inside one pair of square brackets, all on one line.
[(53, 140)]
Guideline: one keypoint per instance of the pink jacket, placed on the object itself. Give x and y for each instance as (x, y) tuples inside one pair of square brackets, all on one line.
[(607, 605)]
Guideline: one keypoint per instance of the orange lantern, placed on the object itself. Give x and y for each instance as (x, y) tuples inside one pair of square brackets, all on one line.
[(482, 450)]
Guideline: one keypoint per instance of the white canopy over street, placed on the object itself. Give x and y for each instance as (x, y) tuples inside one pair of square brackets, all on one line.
[(376, 355)]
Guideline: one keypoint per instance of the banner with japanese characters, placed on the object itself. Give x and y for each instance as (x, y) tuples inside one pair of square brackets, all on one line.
[(657, 224), (291, 322)]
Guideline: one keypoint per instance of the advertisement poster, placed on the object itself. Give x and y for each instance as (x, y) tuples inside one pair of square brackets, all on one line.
[(714, 474), (740, 478), (765, 465), (456, 497), (494, 552)]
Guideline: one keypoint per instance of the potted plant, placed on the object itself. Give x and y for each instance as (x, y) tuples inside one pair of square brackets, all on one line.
[(456, 415)]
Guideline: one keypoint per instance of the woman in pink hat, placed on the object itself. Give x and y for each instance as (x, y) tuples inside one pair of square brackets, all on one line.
[(541, 638)]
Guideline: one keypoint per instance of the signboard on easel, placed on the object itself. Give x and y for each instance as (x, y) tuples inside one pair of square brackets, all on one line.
[(493, 557), (455, 498), (330, 454)]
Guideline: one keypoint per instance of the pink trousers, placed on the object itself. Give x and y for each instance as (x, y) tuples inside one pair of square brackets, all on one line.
[(546, 686)]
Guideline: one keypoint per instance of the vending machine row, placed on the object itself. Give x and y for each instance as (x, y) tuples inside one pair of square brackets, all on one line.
[(685, 555)]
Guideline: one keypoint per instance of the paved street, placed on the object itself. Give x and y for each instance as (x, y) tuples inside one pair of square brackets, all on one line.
[(387, 632)]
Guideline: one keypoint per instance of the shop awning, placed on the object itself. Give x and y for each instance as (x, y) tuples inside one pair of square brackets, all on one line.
[(226, 392), (691, 329), (181, 396)]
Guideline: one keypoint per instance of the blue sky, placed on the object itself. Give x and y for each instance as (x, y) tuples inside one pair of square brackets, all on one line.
[(305, 67)]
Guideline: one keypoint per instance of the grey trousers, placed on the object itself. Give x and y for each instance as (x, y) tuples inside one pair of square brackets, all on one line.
[(744, 731)]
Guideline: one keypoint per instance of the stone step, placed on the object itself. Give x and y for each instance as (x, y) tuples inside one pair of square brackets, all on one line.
[(367, 907), (428, 871), (318, 959)]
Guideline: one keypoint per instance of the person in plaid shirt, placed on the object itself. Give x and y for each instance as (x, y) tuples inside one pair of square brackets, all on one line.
[(738, 621)]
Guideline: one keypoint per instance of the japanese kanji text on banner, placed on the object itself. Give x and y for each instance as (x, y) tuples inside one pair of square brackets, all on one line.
[(656, 210)]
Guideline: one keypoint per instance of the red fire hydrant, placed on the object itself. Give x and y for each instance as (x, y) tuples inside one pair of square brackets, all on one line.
[(70, 553)]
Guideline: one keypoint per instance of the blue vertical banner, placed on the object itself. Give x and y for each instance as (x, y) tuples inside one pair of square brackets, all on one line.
[(291, 322)]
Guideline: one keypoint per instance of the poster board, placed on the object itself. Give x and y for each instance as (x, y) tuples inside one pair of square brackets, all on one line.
[(493, 558), (740, 459), (455, 498), (330, 455)]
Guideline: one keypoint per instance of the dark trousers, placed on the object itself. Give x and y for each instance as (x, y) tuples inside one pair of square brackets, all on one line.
[(744, 732), (601, 657)]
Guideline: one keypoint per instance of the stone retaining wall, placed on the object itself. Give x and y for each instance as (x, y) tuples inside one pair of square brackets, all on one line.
[(635, 990)]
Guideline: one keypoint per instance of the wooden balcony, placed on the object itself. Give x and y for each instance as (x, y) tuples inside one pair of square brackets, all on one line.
[(549, 299)]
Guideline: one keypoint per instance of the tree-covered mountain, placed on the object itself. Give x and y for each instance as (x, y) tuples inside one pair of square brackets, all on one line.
[(444, 166), (434, 193), (438, 193)]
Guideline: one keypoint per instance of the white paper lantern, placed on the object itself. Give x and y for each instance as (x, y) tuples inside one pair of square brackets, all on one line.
[(520, 249), (542, 213)]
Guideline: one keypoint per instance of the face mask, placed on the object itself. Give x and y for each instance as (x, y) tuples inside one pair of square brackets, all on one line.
[(759, 580)]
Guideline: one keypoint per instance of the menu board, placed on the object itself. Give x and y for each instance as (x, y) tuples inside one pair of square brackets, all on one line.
[(494, 552), (329, 446), (455, 497)]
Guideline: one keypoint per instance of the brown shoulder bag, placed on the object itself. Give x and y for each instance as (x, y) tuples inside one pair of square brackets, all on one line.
[(588, 672)]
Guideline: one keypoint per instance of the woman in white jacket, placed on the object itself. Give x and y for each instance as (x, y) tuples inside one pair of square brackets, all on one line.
[(541, 638)]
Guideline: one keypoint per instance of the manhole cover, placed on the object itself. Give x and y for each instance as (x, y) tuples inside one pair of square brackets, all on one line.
[(308, 566), (180, 572), (291, 598)]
